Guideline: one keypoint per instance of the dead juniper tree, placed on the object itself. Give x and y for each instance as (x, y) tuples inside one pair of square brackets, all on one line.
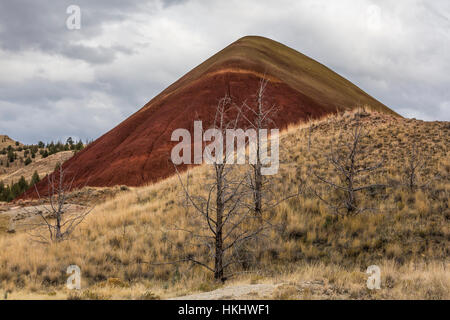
[(414, 164), (310, 128), (221, 222), (53, 210), (413, 169), (258, 118), (351, 167)]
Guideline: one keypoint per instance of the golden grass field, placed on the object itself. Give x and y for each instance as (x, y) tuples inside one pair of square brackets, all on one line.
[(406, 234)]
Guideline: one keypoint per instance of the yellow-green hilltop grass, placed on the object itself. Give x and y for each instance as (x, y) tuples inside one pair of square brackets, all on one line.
[(122, 248)]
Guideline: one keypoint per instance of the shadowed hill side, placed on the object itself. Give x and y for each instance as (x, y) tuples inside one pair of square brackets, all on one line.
[(137, 151)]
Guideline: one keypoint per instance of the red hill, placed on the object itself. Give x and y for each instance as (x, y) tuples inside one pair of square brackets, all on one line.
[(136, 152)]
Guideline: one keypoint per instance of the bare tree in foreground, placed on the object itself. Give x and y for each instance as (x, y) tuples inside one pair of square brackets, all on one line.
[(259, 119), (55, 220), (347, 161), (224, 221)]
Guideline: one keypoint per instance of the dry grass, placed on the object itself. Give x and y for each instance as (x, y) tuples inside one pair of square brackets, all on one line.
[(407, 235), (6, 141), (42, 166), (305, 281), (408, 281)]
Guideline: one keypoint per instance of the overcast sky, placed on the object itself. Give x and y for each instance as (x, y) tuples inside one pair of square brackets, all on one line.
[(56, 82)]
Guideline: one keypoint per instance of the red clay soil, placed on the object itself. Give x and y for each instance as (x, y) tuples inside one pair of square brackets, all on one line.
[(137, 151)]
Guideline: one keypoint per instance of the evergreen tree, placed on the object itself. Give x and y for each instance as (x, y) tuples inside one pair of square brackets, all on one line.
[(34, 179), (11, 155), (23, 184), (2, 191)]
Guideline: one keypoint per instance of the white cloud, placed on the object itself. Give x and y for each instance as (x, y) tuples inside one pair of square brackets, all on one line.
[(29, 65)]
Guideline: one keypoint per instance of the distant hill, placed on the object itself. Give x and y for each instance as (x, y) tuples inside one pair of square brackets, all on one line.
[(6, 141), (136, 152), (42, 166), (18, 160)]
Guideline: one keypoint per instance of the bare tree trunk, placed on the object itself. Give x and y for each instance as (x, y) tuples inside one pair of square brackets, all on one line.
[(218, 259), (412, 178), (309, 134), (258, 190), (58, 234), (60, 202), (351, 199), (260, 122), (257, 166), (414, 162)]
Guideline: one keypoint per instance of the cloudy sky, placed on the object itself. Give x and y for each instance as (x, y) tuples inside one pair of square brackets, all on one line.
[(56, 82)]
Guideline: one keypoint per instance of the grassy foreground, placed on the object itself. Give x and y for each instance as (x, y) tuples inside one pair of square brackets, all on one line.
[(123, 246)]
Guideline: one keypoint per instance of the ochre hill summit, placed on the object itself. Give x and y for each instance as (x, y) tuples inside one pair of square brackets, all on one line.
[(137, 151)]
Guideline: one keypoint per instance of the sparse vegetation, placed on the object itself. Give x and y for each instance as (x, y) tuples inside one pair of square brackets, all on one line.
[(17, 160), (55, 224), (407, 235), (14, 155), (351, 167)]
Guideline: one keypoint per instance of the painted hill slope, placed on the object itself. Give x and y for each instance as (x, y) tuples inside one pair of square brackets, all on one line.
[(137, 151)]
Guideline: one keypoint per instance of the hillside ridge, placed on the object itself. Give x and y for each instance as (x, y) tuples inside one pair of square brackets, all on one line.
[(137, 151)]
